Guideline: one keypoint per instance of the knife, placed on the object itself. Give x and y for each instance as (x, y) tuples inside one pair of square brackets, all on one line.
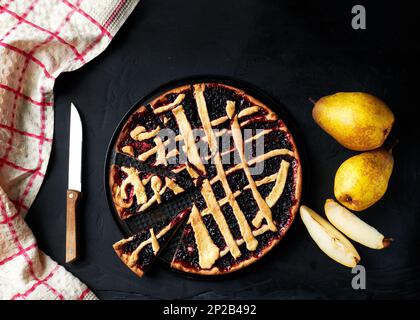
[(74, 185)]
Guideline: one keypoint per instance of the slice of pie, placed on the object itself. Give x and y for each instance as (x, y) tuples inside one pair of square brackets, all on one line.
[(235, 150), (140, 251)]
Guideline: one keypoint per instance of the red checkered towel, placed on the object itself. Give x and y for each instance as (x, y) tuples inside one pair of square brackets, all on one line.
[(39, 39)]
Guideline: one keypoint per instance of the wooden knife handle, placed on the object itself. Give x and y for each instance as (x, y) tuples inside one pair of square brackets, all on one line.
[(72, 225)]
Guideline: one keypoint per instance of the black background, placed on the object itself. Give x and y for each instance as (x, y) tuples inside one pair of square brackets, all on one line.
[(294, 50)]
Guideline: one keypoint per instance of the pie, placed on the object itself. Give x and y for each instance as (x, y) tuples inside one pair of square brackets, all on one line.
[(234, 150)]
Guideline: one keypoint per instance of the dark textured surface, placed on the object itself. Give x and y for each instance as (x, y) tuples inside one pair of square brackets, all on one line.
[(292, 49)]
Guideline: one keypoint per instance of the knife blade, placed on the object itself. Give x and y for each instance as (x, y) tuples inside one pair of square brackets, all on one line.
[(74, 185)]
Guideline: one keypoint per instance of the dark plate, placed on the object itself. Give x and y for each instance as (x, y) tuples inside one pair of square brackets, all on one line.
[(129, 226)]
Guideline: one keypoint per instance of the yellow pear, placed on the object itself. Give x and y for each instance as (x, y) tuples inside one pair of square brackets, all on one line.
[(357, 120), (328, 238), (362, 180), (353, 227)]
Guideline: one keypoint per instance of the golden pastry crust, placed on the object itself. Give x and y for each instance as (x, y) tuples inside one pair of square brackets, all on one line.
[(177, 90), (125, 258), (112, 186)]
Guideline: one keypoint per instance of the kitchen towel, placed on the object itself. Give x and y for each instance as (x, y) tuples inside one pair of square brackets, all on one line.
[(39, 39)]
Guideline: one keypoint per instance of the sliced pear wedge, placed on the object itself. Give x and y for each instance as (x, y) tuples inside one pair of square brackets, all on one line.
[(353, 227), (329, 239)]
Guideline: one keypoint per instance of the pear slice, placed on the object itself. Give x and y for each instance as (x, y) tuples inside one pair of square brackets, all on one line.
[(329, 239), (353, 227)]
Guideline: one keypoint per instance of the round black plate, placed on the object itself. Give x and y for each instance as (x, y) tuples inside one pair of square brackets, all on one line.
[(166, 256)]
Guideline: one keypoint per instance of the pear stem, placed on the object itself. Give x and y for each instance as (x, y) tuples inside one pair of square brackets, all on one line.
[(312, 100), (387, 242)]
